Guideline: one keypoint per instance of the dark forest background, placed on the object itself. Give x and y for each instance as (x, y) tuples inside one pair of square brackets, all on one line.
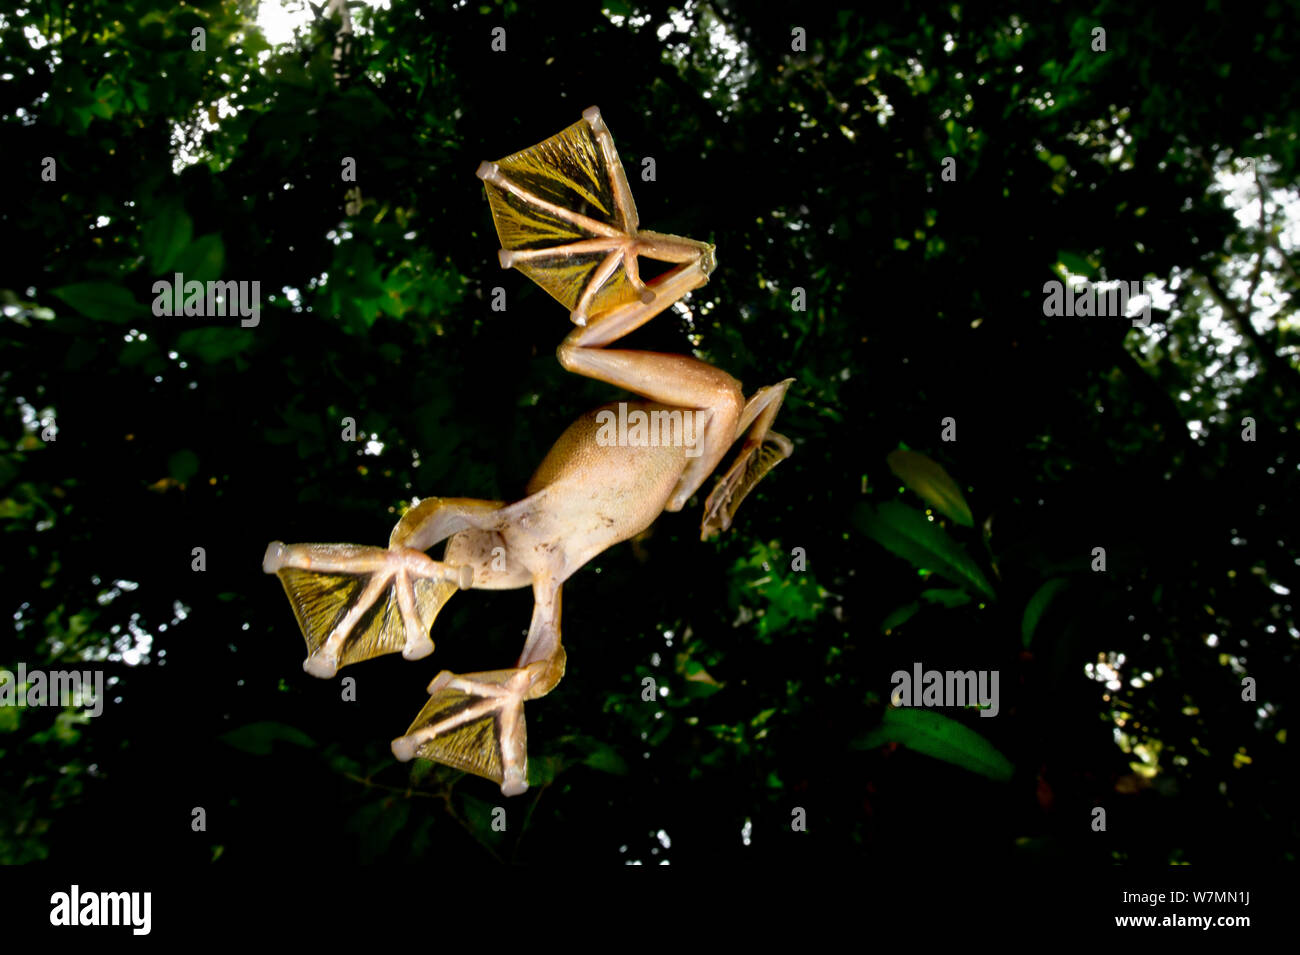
[(809, 144)]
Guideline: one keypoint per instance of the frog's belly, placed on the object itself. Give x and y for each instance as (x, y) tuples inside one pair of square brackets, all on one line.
[(605, 480)]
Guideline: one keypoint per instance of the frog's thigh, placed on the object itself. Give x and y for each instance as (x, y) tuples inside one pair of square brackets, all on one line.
[(716, 428), (676, 380)]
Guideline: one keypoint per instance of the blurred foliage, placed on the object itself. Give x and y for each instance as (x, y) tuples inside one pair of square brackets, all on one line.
[(127, 441)]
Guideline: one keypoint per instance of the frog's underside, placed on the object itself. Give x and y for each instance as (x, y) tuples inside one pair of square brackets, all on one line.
[(565, 216)]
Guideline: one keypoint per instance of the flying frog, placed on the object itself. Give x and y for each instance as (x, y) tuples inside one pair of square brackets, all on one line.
[(565, 217)]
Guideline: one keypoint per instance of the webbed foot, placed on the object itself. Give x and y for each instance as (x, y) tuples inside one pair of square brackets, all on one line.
[(354, 603), (475, 722)]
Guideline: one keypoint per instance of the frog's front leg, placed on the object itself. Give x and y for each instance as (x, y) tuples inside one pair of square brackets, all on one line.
[(475, 721), (354, 602)]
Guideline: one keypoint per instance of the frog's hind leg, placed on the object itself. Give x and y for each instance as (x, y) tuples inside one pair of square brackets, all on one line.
[(762, 450), (710, 399), (475, 721), (354, 602)]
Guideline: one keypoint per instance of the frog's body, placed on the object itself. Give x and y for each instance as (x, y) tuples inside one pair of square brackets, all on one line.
[(585, 497), (601, 483)]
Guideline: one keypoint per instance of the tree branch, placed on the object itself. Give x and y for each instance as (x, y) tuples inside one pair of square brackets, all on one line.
[(1275, 363)]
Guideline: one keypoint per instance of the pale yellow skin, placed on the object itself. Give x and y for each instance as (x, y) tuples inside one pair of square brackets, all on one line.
[(587, 495)]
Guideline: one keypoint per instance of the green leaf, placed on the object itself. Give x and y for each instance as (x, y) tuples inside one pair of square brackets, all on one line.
[(167, 235), (183, 465), (15, 510), (256, 738), (922, 543), (934, 734), (214, 344), (478, 814), (607, 760), (931, 482), (1077, 264), (948, 598), (103, 301), (1037, 606), (543, 770), (140, 97), (899, 616), (345, 765), (378, 823), (202, 259), (694, 691), (137, 352)]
